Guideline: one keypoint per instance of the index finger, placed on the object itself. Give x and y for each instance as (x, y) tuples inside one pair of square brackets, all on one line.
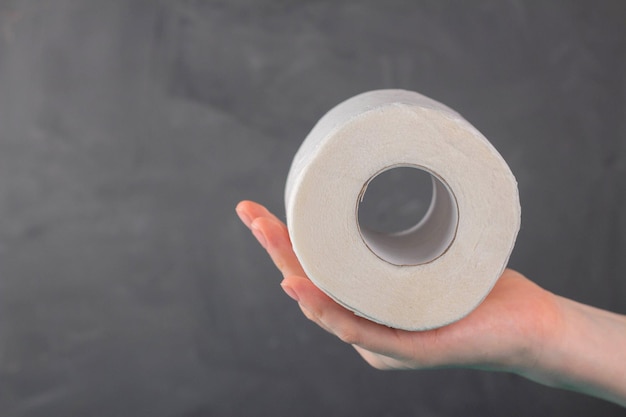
[(278, 245)]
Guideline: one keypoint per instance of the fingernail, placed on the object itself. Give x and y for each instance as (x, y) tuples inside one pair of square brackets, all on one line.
[(259, 235), (290, 292), (244, 217)]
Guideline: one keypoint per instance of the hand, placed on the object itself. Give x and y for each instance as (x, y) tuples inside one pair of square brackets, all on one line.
[(503, 333)]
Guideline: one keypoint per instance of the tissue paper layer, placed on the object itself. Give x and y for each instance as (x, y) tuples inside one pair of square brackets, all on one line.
[(437, 271)]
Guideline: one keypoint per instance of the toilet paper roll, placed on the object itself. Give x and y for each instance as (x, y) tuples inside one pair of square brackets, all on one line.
[(433, 273)]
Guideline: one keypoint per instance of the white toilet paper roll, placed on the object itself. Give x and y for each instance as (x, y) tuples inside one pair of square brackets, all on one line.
[(437, 271)]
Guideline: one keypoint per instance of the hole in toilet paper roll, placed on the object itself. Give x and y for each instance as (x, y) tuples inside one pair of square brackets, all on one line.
[(407, 215)]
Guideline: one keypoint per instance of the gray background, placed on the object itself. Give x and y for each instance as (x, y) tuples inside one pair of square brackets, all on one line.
[(130, 129)]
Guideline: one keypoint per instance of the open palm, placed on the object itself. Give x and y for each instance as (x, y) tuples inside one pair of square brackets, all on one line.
[(500, 334)]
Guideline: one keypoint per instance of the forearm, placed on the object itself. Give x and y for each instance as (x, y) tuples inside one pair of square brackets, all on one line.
[(519, 327), (586, 353)]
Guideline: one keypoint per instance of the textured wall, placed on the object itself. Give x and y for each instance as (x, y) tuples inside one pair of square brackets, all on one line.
[(130, 129)]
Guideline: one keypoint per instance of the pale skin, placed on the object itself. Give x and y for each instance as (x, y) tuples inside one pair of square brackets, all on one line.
[(519, 327)]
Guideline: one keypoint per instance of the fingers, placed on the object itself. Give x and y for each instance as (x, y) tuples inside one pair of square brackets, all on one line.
[(339, 321), (277, 243), (248, 211), (272, 234), (381, 346)]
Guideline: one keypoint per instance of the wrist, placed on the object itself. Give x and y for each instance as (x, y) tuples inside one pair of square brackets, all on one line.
[(546, 363), (540, 337), (582, 351)]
